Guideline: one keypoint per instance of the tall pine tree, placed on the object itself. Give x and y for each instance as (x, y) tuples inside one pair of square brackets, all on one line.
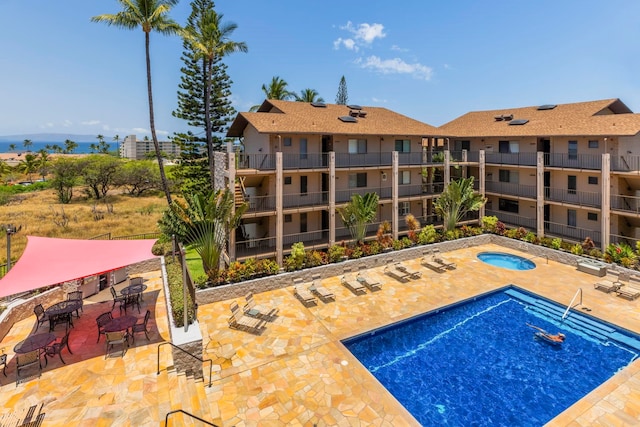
[(342, 98)]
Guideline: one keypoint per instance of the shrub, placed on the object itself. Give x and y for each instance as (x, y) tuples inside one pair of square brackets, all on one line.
[(374, 248), (384, 234), (489, 224), (397, 245), (596, 253), (356, 252), (406, 242), (427, 235), (413, 225), (556, 243), (546, 241), (452, 234), (530, 237), (336, 252), (588, 244), (315, 258), (500, 228), (267, 267), (468, 231), (577, 249)]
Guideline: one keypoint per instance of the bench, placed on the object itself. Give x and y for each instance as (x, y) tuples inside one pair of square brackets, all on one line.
[(596, 268)]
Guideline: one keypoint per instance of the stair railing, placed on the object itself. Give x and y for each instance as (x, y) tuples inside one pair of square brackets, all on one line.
[(578, 292), (186, 352), (166, 418)]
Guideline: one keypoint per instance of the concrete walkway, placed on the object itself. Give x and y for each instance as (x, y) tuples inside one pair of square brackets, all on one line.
[(297, 372)]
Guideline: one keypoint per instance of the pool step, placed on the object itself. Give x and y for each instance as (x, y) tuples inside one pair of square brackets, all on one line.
[(574, 320)]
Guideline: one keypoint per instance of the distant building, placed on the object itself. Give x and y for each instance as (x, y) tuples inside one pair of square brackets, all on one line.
[(133, 148)]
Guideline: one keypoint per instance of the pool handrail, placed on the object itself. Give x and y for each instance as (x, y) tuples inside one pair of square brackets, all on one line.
[(579, 291)]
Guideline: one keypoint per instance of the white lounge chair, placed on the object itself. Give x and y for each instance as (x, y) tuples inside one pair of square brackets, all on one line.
[(353, 285), (318, 289), (367, 281), (304, 295)]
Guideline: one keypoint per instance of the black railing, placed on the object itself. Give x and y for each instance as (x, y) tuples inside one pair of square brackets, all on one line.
[(625, 164), (305, 199), (304, 161), (186, 352), (166, 418), (573, 233), (256, 161), (626, 203), (574, 161), (343, 196), (513, 219), (258, 248), (261, 203), (107, 236), (511, 189), (347, 160), (580, 198), (523, 159)]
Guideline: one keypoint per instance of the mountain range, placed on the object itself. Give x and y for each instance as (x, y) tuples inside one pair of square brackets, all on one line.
[(52, 137)]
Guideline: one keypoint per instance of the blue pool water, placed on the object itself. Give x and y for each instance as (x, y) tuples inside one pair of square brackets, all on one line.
[(479, 364), (504, 260)]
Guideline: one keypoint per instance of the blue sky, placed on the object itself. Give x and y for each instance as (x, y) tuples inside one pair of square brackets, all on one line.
[(430, 60)]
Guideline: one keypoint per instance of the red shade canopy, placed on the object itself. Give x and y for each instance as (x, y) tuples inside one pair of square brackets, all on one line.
[(48, 261)]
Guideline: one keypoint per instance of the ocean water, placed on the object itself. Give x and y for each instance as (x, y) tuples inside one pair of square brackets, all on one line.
[(83, 147)]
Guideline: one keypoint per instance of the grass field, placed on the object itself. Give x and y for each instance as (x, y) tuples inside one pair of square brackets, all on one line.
[(40, 214)]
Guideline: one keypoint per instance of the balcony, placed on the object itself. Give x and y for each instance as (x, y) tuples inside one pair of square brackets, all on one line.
[(459, 157), (625, 164), (344, 196), (522, 159), (318, 239), (347, 160), (300, 200), (579, 198), (261, 204), (508, 188), (513, 219), (573, 161), (575, 234), (626, 203), (420, 189), (256, 248), (256, 161), (305, 161)]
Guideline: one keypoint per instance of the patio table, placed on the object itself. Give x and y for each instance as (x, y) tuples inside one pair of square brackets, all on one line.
[(133, 290), (35, 342), (120, 323), (62, 308)]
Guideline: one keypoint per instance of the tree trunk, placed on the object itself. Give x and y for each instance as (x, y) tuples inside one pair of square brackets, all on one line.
[(208, 68)]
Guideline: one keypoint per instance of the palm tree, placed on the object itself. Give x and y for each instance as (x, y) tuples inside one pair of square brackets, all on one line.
[(356, 214), (69, 146), (210, 41), (5, 169), (27, 144), (308, 95), (43, 162), (28, 165), (12, 147), (149, 15), (456, 200), (277, 89)]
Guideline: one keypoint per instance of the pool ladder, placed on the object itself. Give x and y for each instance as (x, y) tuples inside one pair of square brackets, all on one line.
[(566, 312)]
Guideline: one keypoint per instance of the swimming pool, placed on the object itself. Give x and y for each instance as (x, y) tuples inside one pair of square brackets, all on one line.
[(478, 363), (505, 260)]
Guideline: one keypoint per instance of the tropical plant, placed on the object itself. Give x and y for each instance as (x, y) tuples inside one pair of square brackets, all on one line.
[(427, 235), (489, 224), (308, 95), (208, 39), (148, 15), (556, 243), (336, 253), (28, 165), (66, 173), (413, 225), (99, 173), (620, 253), (69, 146), (297, 255), (383, 235), (204, 221), (277, 89), (577, 249), (457, 200), (359, 212), (27, 144), (342, 98), (43, 163)]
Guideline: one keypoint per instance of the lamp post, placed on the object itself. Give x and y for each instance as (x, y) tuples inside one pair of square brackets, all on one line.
[(10, 229)]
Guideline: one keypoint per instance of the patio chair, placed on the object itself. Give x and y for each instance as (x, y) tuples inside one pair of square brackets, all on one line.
[(3, 362), (304, 295), (76, 295), (630, 288), (101, 321), (65, 318), (429, 261), (367, 281), (136, 281), (141, 327), (40, 316), (114, 338), (611, 283), (398, 274), (413, 274), (255, 310), (318, 289), (121, 299), (246, 323), (353, 285), (437, 257), (25, 361), (57, 347)]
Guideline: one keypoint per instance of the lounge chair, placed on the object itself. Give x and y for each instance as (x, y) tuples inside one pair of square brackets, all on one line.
[(318, 289), (611, 283), (437, 257), (245, 323), (398, 274), (630, 289), (304, 295), (413, 274), (353, 285), (254, 310), (429, 261), (367, 281)]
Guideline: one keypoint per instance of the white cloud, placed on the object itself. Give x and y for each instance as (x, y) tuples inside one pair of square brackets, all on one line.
[(140, 130), (67, 123), (91, 122), (105, 127), (378, 100), (349, 44), (362, 35), (398, 48), (395, 66), (162, 132)]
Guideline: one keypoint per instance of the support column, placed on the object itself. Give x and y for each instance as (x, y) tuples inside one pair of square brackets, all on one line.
[(447, 168), (605, 213), (464, 160), (394, 194), (540, 194), (231, 186), (482, 182), (332, 198), (279, 215)]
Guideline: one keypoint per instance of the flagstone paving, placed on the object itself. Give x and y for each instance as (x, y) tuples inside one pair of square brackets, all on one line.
[(296, 372)]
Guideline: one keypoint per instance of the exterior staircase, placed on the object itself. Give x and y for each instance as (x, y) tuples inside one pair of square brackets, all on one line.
[(239, 193)]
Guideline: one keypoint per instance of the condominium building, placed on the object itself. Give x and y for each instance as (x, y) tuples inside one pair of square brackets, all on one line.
[(135, 149), (569, 170)]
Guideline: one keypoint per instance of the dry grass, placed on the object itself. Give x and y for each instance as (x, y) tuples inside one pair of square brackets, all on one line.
[(40, 214)]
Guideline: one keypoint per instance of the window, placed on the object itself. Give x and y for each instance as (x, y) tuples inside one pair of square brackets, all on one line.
[(592, 216), (405, 177), (303, 184), (459, 145), (287, 218), (357, 146), (508, 205), (404, 208), (573, 150), (571, 218), (286, 141), (357, 180), (593, 180), (287, 180), (403, 145), (303, 148), (508, 147), (571, 184), (593, 143), (506, 175), (303, 222)]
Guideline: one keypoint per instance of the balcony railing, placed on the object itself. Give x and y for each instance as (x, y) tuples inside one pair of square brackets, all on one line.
[(625, 163), (311, 239), (420, 189), (627, 240), (347, 160), (513, 219), (305, 199), (305, 161), (512, 189), (580, 198), (343, 196), (626, 203), (261, 203), (256, 161), (572, 233), (257, 248), (523, 159), (575, 161)]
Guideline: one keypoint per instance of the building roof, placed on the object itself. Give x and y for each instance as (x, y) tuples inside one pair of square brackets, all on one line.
[(290, 117), (608, 117)]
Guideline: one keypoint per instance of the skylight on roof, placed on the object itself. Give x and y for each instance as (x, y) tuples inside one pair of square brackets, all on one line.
[(319, 104), (519, 122), (354, 107), (547, 107), (348, 119)]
